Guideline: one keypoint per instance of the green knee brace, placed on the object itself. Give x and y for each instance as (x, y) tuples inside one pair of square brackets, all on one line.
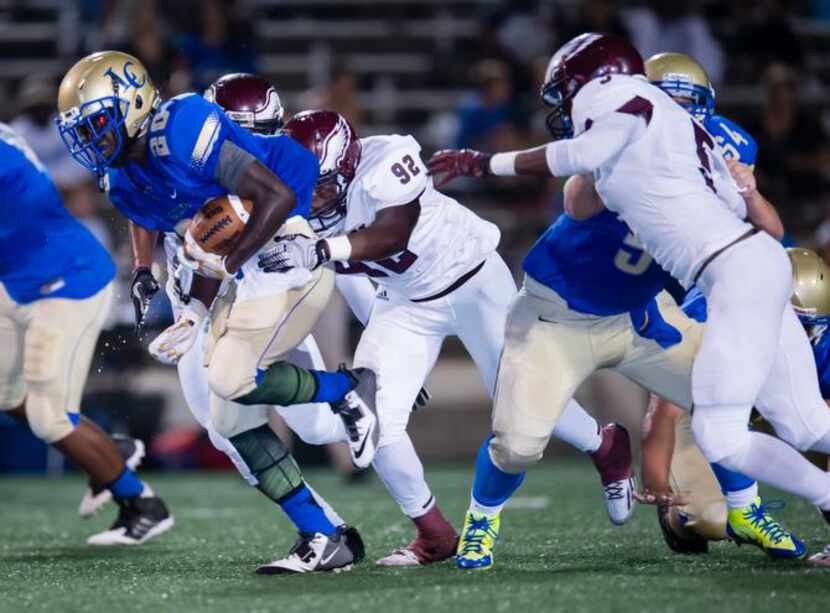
[(283, 384), (270, 462)]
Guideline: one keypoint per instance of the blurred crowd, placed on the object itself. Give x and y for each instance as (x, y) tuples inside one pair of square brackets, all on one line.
[(766, 58)]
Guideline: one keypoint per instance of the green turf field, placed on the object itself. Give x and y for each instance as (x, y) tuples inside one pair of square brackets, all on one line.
[(558, 552)]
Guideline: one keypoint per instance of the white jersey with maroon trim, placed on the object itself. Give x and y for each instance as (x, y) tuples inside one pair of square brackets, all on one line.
[(669, 183), (448, 240)]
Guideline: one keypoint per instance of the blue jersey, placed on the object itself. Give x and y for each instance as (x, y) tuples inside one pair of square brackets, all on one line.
[(179, 173), (596, 265), (734, 141), (821, 350), (44, 251)]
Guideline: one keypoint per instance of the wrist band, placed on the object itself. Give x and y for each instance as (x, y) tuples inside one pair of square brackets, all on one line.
[(340, 248), (503, 164)]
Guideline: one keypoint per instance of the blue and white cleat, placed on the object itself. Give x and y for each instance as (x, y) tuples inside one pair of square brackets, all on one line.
[(478, 538)]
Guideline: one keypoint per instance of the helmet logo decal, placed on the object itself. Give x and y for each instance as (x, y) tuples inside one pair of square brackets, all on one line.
[(129, 80)]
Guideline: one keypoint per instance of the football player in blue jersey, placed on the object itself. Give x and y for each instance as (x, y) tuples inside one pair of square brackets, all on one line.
[(159, 162), (55, 293), (731, 507), (602, 304)]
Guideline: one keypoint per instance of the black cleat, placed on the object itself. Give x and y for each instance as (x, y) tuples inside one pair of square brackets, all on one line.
[(97, 496), (318, 552), (140, 518), (359, 414)]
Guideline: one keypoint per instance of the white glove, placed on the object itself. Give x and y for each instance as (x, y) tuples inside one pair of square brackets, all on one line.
[(176, 340), (200, 261), (294, 251)]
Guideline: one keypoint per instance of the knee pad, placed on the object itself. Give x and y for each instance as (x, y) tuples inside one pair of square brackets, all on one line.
[(230, 418), (49, 423), (515, 454), (720, 431), (271, 463)]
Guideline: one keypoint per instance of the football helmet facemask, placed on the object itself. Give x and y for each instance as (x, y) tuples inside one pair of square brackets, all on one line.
[(104, 102), (333, 140), (683, 79)]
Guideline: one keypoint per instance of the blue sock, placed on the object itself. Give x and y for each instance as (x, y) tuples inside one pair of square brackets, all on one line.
[(74, 418), (729, 480), (331, 386), (126, 485), (492, 486), (306, 514)]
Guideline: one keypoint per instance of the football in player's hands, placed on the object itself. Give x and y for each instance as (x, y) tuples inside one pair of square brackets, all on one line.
[(219, 224)]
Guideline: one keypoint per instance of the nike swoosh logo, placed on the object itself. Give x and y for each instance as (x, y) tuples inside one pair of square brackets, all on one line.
[(359, 452), (328, 559)]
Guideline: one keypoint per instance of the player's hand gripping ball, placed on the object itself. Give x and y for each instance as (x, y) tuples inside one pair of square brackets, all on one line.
[(213, 233)]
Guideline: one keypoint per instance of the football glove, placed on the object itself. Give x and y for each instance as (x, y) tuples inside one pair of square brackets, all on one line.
[(458, 162), (200, 261), (143, 286), (176, 340), (294, 251)]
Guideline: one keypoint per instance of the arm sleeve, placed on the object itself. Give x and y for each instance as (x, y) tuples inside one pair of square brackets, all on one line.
[(359, 294), (587, 152)]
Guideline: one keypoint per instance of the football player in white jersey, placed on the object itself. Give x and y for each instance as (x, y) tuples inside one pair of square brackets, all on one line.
[(381, 218), (659, 170)]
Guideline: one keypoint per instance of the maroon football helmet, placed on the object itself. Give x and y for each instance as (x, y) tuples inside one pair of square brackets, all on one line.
[(578, 61), (248, 100), (330, 137)]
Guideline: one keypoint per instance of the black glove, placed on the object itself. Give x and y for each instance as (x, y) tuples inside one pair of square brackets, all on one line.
[(421, 399), (143, 286)]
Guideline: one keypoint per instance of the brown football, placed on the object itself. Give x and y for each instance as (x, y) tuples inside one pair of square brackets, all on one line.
[(219, 223)]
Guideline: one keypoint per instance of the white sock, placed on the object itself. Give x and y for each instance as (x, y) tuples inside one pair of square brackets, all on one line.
[(577, 428), (742, 498), (400, 469), (772, 461), (328, 511), (480, 509)]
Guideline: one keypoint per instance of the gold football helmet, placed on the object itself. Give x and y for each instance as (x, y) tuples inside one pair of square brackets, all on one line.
[(105, 100), (683, 79), (811, 285)]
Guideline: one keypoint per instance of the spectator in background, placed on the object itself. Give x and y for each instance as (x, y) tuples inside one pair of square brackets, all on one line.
[(485, 116), (525, 31), (792, 150), (596, 16), (765, 35), (340, 94), (675, 26), (221, 44)]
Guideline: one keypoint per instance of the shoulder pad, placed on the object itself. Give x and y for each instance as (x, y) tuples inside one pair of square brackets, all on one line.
[(396, 173), (735, 142)]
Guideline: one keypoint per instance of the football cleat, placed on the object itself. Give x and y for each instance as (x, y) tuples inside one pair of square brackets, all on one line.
[(615, 467), (358, 411), (679, 538), (422, 551), (140, 518), (753, 525), (97, 496), (478, 538), (318, 552)]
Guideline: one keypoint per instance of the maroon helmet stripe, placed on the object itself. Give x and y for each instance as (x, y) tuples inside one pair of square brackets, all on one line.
[(639, 107)]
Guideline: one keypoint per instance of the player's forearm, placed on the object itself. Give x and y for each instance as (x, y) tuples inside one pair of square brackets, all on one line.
[(204, 289), (762, 214), (658, 446), (142, 241), (273, 201)]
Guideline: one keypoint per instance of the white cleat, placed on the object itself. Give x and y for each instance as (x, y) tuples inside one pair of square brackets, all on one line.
[(97, 496), (400, 557), (140, 518), (359, 414), (619, 500), (314, 553)]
